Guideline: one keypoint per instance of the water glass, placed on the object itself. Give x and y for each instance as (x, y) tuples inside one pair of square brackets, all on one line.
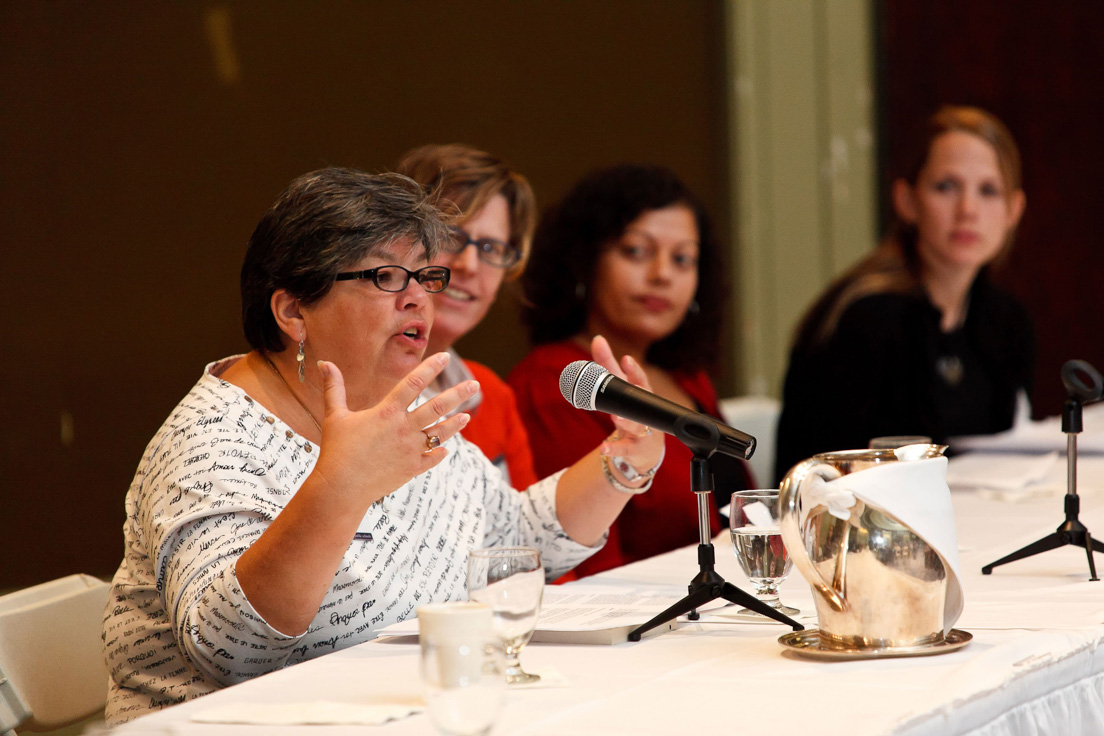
[(462, 666), (757, 542), (510, 580)]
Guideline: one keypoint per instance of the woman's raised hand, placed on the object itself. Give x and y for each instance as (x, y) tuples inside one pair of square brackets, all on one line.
[(364, 456), (373, 452), (634, 442)]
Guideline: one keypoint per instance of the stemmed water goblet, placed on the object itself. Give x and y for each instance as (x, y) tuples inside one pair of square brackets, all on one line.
[(757, 542), (511, 581)]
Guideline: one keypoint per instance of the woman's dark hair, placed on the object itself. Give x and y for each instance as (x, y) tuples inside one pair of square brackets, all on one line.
[(572, 234), (324, 223), (894, 267)]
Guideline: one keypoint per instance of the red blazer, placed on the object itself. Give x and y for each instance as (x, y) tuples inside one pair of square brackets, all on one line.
[(497, 429), (664, 518)]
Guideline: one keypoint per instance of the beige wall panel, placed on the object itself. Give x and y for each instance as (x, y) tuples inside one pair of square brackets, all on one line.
[(803, 170), (850, 156), (795, 186)]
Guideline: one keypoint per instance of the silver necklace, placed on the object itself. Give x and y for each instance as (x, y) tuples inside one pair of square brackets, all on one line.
[(293, 394)]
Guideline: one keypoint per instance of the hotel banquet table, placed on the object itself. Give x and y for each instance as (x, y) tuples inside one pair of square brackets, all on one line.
[(1035, 665)]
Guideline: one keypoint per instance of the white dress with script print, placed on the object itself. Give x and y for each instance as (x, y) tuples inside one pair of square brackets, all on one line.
[(218, 471)]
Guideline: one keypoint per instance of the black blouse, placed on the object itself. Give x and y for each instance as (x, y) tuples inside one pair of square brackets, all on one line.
[(890, 370)]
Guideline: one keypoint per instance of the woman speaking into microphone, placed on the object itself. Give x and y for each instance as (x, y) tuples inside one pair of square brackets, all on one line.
[(303, 495)]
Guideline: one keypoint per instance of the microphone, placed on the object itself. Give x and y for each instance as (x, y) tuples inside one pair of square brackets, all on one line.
[(1083, 382), (1084, 385), (587, 385)]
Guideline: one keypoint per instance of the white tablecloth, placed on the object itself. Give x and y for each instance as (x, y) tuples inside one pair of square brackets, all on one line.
[(1035, 665)]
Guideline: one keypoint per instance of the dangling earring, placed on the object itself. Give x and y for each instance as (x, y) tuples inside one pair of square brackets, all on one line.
[(580, 291), (695, 308), (301, 358)]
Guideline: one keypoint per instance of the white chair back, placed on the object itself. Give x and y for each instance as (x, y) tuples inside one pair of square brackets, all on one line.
[(758, 416), (51, 654)]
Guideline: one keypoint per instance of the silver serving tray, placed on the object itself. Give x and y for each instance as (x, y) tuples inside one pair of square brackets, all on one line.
[(807, 644)]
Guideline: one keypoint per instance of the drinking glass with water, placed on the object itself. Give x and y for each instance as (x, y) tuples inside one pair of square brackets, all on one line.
[(757, 542), (511, 581)]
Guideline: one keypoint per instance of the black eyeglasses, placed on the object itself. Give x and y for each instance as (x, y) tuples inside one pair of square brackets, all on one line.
[(395, 278), (491, 251)]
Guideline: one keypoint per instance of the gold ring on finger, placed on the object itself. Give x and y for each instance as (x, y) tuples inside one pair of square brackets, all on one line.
[(432, 442)]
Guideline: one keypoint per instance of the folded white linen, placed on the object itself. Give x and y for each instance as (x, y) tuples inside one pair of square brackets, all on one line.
[(916, 494), (816, 491), (1042, 436), (318, 712), (1002, 473)]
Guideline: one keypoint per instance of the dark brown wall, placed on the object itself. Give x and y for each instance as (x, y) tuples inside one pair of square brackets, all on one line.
[(131, 176), (1039, 66)]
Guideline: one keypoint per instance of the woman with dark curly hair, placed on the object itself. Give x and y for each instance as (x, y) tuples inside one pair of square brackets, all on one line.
[(628, 254)]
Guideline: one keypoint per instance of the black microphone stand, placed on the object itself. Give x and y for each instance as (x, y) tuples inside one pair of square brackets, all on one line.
[(1072, 531), (707, 585)]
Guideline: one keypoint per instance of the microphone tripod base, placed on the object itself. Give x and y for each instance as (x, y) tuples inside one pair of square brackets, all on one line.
[(707, 586), (1071, 532)]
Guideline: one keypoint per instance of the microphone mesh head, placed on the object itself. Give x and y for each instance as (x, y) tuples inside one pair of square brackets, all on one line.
[(579, 383)]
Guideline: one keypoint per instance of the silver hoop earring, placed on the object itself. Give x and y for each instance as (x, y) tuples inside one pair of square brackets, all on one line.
[(302, 360)]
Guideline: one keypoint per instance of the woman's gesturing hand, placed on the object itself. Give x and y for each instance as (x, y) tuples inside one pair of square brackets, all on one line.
[(364, 455), (373, 452), (636, 443)]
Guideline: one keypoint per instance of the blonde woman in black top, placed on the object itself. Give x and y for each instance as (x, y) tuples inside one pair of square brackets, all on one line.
[(915, 339)]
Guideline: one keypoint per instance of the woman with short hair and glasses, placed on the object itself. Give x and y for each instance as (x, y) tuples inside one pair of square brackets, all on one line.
[(493, 211), (305, 495)]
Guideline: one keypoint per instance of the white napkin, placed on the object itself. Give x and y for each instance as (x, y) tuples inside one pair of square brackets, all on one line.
[(759, 515), (732, 613), (318, 712), (815, 491), (916, 494), (1011, 475), (1041, 436)]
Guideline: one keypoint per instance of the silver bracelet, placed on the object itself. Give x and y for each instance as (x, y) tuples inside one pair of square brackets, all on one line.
[(619, 486), (629, 473)]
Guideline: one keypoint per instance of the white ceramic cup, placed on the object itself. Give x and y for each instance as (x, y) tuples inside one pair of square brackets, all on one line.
[(462, 666)]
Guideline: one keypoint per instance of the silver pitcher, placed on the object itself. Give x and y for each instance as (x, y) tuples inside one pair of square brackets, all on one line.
[(876, 584)]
